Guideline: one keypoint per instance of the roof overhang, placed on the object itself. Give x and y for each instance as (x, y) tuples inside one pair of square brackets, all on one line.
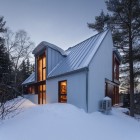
[(68, 73), (43, 45)]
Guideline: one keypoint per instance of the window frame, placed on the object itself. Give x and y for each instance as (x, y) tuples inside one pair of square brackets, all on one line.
[(40, 58), (59, 91)]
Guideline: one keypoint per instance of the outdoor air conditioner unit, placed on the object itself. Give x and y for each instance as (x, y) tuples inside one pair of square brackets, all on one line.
[(105, 105)]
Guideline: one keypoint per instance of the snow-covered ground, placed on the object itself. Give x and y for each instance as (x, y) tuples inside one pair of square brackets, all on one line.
[(66, 122)]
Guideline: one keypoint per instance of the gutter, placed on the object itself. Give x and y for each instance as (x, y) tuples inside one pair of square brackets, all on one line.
[(68, 73)]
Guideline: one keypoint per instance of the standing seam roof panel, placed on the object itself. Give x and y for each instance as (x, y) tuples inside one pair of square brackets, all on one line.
[(78, 54)]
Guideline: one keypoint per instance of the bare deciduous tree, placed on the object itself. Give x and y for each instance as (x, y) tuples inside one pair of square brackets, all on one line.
[(8, 93), (19, 47)]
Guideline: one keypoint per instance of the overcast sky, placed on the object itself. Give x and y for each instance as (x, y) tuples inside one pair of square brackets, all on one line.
[(60, 22)]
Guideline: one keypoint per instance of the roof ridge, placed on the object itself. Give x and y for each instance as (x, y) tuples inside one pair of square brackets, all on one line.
[(87, 39)]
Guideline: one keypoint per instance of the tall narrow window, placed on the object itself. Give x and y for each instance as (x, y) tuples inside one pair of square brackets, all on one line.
[(116, 70), (41, 66), (63, 91), (42, 94), (41, 78)]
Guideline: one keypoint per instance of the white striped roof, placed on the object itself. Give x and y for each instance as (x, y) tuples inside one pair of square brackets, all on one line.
[(30, 79), (76, 57), (79, 56)]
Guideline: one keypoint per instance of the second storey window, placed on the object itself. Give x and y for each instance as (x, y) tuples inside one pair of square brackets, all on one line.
[(41, 67), (116, 70)]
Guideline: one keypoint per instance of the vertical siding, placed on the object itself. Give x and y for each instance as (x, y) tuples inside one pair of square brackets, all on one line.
[(54, 58), (76, 89), (100, 68)]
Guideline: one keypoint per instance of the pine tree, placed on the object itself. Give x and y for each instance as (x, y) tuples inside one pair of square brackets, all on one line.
[(25, 70), (5, 64), (28, 68), (124, 21)]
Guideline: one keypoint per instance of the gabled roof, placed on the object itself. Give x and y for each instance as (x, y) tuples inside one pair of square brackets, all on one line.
[(45, 44), (79, 56), (30, 79), (76, 58)]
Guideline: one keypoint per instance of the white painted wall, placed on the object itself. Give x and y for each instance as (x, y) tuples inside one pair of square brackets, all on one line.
[(100, 68), (76, 89), (32, 97)]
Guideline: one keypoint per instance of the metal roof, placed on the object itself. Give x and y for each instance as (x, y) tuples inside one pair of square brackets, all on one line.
[(79, 56), (30, 79)]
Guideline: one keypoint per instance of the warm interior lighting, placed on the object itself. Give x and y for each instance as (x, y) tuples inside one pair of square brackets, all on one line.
[(42, 93), (41, 66), (31, 89), (41, 77), (63, 91)]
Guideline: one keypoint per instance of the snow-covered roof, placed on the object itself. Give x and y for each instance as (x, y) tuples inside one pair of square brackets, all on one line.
[(30, 79), (45, 44), (79, 56)]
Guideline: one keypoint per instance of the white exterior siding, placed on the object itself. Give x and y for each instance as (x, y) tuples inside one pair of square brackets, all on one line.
[(100, 68), (94, 54), (76, 89), (54, 57), (32, 97)]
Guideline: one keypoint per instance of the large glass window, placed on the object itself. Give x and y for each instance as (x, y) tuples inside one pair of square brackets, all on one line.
[(41, 67), (63, 91), (42, 94)]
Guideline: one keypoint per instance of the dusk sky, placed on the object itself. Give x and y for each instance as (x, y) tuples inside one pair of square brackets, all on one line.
[(60, 22)]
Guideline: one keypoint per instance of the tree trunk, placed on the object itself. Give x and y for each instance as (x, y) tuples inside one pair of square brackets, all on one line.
[(131, 63), (131, 80)]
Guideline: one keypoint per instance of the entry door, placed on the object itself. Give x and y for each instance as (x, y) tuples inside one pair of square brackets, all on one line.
[(42, 94)]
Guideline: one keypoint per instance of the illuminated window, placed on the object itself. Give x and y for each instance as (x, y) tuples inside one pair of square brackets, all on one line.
[(42, 94), (31, 89), (63, 91), (41, 67)]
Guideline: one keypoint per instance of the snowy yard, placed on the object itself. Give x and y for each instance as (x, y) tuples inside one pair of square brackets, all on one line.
[(66, 122)]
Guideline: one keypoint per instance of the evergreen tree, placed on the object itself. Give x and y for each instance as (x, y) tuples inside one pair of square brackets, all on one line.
[(124, 21), (28, 68), (25, 70), (5, 64)]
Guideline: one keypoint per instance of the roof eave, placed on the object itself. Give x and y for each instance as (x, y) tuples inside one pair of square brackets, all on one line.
[(68, 73), (28, 83), (44, 45)]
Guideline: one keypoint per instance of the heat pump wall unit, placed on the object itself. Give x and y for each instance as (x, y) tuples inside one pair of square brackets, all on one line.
[(105, 105)]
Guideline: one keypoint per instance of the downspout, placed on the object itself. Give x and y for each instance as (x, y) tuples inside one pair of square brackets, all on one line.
[(87, 90)]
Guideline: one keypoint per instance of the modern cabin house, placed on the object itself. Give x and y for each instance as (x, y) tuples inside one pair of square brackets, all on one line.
[(82, 75)]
